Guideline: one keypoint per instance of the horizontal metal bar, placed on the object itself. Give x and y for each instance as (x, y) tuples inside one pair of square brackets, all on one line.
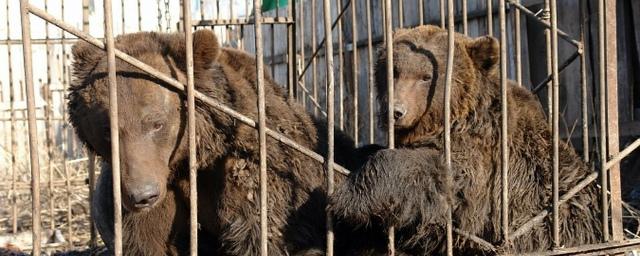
[(616, 159), (6, 186), (178, 85), (561, 33), (242, 21), (596, 249), (42, 41)]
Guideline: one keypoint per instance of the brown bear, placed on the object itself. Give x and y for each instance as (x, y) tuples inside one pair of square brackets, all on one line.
[(407, 187), (153, 151)]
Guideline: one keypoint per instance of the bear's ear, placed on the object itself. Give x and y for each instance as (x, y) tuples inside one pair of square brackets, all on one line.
[(484, 52), (205, 48), (85, 54)]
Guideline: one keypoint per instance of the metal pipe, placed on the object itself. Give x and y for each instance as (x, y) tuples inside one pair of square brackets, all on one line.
[(442, 14), (113, 124), (504, 138), (139, 16), (465, 25), (65, 79), (603, 123), (421, 12), (92, 185), (299, 74), (555, 121), (401, 13), (447, 117), (624, 153), (291, 51), (341, 70), (544, 22), (191, 126), (388, 18), (330, 118), (583, 82), (355, 68), (48, 123), (12, 131), (549, 78), (612, 129), (314, 78), (370, 73), (33, 129), (518, 43), (490, 17)]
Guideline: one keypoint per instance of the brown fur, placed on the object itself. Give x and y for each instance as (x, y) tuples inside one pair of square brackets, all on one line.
[(228, 156), (407, 187)]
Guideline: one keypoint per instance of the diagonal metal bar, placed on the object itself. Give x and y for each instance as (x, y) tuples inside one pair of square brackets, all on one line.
[(562, 67), (624, 153), (178, 85), (561, 34)]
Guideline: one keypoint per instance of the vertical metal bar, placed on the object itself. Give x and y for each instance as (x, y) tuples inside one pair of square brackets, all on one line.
[(401, 13), (303, 47), (264, 226), (202, 9), (291, 51), (341, 69), (390, 97), (583, 82), (330, 117), (33, 129), (371, 76), (85, 16), (442, 14), (447, 115), (314, 66), (421, 12), (273, 50), (603, 120), (92, 185), (490, 17), (354, 55), (113, 124), (139, 16), (555, 122), (48, 125), (122, 15), (504, 139), (613, 146), (191, 119), (12, 131), (518, 43), (65, 80), (547, 33), (465, 25), (159, 16)]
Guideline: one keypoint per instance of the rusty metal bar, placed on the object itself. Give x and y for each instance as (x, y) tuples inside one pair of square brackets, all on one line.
[(447, 116), (291, 51), (191, 126), (465, 25), (613, 141), (603, 124), (610, 248), (113, 124), (517, 43), (33, 129), (299, 75), (544, 22), (388, 31), (549, 78), (261, 132), (242, 21), (371, 76), (563, 199), (12, 131), (341, 70), (48, 123), (314, 69), (330, 118), (622, 154), (547, 33), (490, 17), (442, 14), (355, 68), (555, 122), (583, 81), (421, 12), (504, 138)]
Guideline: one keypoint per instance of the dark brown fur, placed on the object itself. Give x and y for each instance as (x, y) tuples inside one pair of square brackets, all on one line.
[(228, 156), (407, 187)]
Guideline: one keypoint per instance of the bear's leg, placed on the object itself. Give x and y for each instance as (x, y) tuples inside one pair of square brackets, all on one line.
[(162, 230)]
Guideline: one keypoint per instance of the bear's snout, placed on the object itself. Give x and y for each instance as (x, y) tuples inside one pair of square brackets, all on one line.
[(399, 111), (145, 196)]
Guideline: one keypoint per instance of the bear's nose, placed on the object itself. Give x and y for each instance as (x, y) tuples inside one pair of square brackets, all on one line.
[(399, 111), (146, 196)]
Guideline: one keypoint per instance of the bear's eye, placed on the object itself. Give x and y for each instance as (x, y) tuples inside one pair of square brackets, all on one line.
[(157, 126), (426, 78)]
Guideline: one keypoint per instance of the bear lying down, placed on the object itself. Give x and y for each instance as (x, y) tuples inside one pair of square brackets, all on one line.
[(407, 187), (154, 153)]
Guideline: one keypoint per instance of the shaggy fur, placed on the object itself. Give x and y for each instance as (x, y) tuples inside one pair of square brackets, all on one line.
[(228, 152), (407, 187)]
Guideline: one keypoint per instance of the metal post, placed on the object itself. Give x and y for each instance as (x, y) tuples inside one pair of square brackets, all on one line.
[(303, 44), (330, 117), (291, 52), (12, 131), (465, 25), (191, 120), (33, 129), (447, 116), (341, 70), (113, 123), (92, 185), (613, 141), (504, 138), (421, 12), (603, 121), (555, 122), (583, 82), (355, 68), (401, 13), (314, 67), (442, 14), (518, 43), (48, 123), (490, 17), (390, 97), (371, 75)]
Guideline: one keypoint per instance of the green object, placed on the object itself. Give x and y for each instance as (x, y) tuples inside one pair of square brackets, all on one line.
[(268, 5)]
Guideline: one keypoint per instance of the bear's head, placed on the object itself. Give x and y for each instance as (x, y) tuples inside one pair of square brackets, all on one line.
[(151, 114), (419, 66)]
